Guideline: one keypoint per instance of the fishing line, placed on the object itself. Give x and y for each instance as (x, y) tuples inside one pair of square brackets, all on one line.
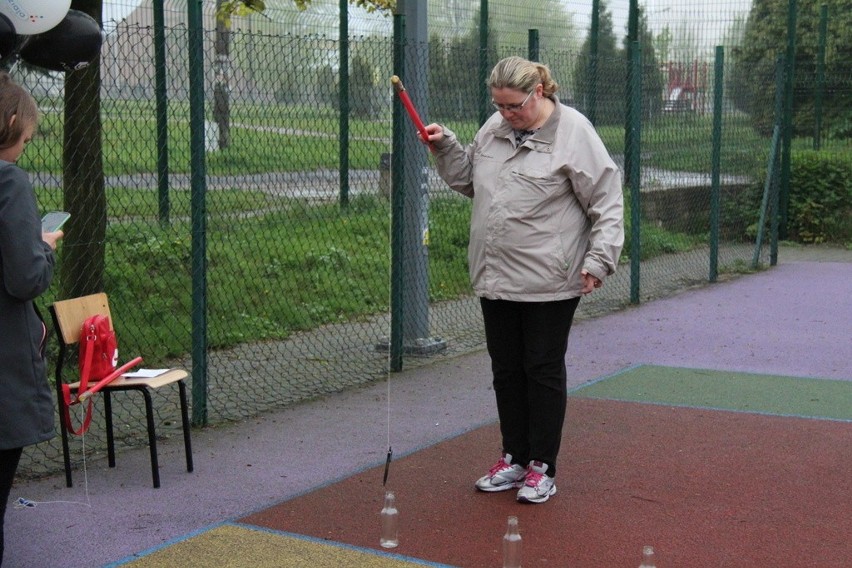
[(390, 338), (24, 503)]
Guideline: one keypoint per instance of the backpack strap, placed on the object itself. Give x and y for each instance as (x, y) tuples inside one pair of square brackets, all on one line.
[(86, 370), (66, 412), (84, 383)]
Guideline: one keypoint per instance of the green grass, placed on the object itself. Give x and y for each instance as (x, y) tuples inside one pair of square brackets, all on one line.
[(263, 139)]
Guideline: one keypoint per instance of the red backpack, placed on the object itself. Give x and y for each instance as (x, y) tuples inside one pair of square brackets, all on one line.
[(98, 350), (98, 362)]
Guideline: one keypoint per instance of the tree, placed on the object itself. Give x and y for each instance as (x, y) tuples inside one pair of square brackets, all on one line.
[(765, 37), (227, 8), (663, 44), (222, 87), (652, 83), (452, 78), (609, 94), (610, 91), (454, 86), (83, 251), (363, 88)]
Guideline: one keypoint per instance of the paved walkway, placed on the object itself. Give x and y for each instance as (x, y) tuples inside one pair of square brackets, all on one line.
[(790, 320)]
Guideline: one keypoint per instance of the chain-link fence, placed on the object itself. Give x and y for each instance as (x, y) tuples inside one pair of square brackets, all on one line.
[(298, 260)]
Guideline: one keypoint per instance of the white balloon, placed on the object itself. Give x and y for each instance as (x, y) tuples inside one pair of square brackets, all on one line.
[(32, 17)]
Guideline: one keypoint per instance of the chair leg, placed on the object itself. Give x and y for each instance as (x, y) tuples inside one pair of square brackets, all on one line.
[(152, 438), (66, 451), (184, 414), (109, 432)]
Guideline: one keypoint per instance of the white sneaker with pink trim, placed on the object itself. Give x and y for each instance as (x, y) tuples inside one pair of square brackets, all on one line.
[(504, 475), (538, 486)]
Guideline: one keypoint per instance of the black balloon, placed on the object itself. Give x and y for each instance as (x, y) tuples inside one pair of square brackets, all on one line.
[(8, 40), (72, 44)]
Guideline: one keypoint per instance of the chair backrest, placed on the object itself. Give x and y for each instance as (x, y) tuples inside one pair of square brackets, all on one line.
[(70, 314)]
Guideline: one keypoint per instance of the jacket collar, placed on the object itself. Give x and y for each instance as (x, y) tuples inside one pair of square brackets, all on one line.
[(543, 139)]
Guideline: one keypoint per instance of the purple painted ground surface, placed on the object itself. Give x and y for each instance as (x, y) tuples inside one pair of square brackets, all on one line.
[(791, 320)]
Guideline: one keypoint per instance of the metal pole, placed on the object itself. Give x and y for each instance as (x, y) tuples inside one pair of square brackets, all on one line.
[(198, 213), (774, 173), (787, 132), (820, 79), (632, 39), (416, 200), (162, 114), (767, 191), (715, 190), (344, 104), (484, 108), (770, 196), (592, 105), (635, 173), (397, 198), (532, 45)]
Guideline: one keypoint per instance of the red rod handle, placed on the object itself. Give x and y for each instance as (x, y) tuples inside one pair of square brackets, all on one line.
[(108, 379), (409, 107)]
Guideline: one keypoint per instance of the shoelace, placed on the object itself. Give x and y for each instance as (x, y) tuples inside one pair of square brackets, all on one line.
[(533, 478), (498, 467)]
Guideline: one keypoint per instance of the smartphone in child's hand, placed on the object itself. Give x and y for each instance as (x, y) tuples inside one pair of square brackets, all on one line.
[(53, 221)]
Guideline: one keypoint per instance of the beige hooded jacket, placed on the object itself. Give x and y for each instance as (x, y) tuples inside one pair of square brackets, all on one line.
[(542, 212)]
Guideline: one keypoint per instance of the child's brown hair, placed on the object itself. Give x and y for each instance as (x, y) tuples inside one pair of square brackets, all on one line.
[(15, 102)]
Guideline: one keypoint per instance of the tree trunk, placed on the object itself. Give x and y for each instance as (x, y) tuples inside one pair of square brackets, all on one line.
[(83, 249), (222, 88)]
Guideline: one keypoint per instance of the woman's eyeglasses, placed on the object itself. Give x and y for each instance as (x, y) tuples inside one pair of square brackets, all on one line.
[(514, 107)]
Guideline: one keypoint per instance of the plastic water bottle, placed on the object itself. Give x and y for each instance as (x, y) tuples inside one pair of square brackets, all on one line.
[(390, 522), (648, 557), (512, 545)]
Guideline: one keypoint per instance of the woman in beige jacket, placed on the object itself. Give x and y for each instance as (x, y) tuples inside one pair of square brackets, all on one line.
[(546, 228)]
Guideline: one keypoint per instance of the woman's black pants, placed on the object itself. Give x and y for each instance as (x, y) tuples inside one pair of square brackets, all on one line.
[(527, 342), (8, 465)]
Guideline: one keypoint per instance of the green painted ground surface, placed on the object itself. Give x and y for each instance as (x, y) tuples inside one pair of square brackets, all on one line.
[(770, 394)]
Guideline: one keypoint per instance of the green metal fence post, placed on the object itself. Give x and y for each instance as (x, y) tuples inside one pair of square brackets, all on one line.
[(715, 190), (198, 212), (632, 39), (484, 109), (344, 104), (594, 34), (635, 173), (532, 45), (820, 78), (397, 200), (787, 132), (770, 195), (775, 194), (766, 200), (164, 204)]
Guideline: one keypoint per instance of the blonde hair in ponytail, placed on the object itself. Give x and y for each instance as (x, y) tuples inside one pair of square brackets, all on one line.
[(522, 75)]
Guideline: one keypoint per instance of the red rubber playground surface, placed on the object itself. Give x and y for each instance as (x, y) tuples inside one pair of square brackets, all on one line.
[(706, 488), (715, 426)]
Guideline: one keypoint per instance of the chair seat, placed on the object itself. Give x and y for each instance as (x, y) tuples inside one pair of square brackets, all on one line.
[(167, 378)]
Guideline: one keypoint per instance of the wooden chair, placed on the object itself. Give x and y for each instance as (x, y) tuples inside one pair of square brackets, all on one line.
[(68, 317)]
